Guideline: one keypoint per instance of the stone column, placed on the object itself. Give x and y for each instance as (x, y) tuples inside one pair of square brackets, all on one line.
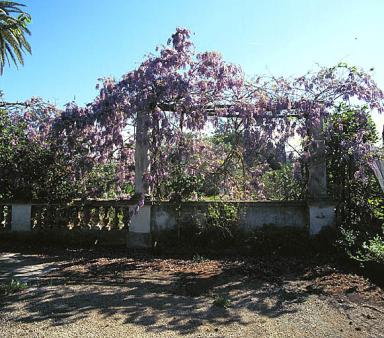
[(317, 180), (378, 168), (139, 235), (321, 210), (141, 153)]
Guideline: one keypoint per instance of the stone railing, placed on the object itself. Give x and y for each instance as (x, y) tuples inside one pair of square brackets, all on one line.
[(117, 215), (91, 215)]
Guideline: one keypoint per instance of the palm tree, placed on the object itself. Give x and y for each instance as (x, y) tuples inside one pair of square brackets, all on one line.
[(13, 29)]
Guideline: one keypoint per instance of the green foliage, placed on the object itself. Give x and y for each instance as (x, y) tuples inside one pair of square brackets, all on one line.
[(12, 286), (281, 184), (198, 258), (373, 250), (35, 170), (13, 31), (377, 206), (219, 227), (215, 228), (23, 163), (363, 244), (183, 186), (30, 169), (222, 221), (352, 191), (360, 202), (100, 182), (222, 301)]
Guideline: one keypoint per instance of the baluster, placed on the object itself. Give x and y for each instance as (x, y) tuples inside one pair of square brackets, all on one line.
[(59, 217), (111, 216), (86, 216), (8, 217), (126, 217), (55, 217), (105, 218), (2, 223), (75, 215), (41, 220), (50, 217), (33, 216), (121, 216), (80, 216), (95, 218), (71, 216), (100, 220), (116, 222), (65, 217)]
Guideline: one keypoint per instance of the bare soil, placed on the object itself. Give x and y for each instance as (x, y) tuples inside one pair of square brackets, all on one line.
[(81, 293)]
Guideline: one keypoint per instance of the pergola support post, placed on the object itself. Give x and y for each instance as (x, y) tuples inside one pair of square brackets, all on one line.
[(139, 235), (141, 153), (321, 210)]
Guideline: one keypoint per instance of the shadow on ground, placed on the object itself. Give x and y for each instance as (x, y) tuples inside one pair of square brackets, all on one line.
[(164, 294), (178, 296)]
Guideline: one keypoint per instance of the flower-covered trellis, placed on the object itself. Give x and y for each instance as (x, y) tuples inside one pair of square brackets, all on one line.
[(178, 90)]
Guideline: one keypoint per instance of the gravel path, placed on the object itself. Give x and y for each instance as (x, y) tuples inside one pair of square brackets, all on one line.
[(24, 267), (130, 297)]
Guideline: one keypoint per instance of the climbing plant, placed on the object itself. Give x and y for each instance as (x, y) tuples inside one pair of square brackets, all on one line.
[(177, 91)]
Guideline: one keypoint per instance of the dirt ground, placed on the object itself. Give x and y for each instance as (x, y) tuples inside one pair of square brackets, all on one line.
[(80, 293)]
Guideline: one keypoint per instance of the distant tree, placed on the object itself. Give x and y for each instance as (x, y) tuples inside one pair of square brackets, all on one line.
[(13, 31)]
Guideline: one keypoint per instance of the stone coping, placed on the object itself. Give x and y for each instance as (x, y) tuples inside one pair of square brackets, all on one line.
[(76, 203), (130, 203), (241, 202)]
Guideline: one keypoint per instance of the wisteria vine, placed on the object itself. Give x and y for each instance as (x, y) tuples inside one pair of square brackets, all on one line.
[(180, 91)]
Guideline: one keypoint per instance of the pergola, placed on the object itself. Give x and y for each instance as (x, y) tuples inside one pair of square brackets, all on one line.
[(317, 183)]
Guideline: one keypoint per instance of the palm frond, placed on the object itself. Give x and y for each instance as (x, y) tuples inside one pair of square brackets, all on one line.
[(13, 31)]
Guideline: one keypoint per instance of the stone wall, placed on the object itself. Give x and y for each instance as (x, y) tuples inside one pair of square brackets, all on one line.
[(254, 214), (153, 218)]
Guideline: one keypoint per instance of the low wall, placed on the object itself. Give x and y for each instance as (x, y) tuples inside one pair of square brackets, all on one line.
[(253, 215), (140, 228)]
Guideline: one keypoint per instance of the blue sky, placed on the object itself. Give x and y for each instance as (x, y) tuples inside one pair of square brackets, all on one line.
[(75, 42)]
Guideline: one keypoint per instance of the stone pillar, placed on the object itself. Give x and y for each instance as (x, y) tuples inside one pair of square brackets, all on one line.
[(141, 153), (378, 168), (139, 236), (317, 180), (21, 217), (322, 211), (322, 214)]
